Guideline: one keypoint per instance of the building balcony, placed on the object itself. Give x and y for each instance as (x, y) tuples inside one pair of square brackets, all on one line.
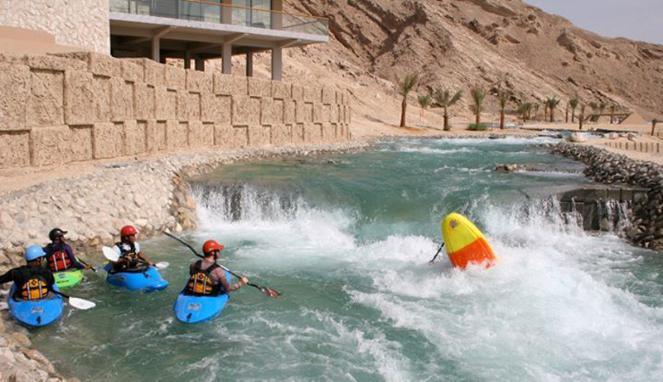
[(261, 19), (210, 29)]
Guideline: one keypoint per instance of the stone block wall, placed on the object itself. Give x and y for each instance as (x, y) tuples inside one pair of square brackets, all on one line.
[(79, 23), (84, 106)]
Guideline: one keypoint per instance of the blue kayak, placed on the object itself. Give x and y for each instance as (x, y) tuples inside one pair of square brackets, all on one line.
[(193, 309), (148, 279), (35, 313)]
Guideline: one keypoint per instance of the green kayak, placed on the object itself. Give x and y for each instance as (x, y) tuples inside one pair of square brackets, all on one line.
[(67, 279)]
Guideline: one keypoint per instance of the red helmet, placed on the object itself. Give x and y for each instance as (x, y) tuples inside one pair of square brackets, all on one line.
[(128, 230), (211, 246)]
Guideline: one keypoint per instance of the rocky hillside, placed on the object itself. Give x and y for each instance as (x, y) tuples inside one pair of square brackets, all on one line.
[(459, 43)]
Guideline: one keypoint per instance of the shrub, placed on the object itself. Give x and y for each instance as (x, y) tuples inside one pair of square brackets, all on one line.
[(477, 127)]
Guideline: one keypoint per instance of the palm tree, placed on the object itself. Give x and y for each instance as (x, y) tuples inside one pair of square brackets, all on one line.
[(478, 95), (445, 100), (524, 109), (566, 113), (595, 111), (551, 103), (503, 96), (612, 112), (535, 109), (424, 103), (582, 115), (405, 86), (545, 110), (573, 103), (602, 106), (653, 126)]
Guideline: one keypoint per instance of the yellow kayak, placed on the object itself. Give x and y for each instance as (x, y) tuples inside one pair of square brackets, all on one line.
[(465, 243)]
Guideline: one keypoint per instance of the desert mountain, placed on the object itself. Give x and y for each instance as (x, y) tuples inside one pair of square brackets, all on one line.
[(461, 43)]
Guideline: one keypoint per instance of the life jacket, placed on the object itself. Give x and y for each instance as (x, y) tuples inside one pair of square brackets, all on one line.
[(35, 288), (59, 261), (129, 253), (201, 282)]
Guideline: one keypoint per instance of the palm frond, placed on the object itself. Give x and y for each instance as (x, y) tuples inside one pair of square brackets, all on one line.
[(408, 83)]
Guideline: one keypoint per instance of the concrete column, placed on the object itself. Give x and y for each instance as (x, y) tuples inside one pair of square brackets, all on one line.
[(200, 64), (227, 55), (187, 59), (277, 63), (156, 49), (249, 64)]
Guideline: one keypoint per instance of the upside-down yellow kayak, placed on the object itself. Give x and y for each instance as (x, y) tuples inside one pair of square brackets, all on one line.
[(465, 243)]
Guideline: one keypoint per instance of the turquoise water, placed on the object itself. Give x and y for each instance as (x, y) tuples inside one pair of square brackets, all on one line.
[(346, 239)]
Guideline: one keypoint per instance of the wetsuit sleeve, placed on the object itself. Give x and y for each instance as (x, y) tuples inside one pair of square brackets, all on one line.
[(72, 257), (7, 277), (50, 279)]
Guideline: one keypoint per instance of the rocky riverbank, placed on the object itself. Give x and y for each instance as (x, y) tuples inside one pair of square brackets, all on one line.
[(610, 168), (18, 362)]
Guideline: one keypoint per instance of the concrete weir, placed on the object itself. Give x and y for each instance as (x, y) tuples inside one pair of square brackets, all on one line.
[(602, 208)]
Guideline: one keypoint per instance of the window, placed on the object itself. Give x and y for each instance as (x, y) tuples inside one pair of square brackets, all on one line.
[(252, 13)]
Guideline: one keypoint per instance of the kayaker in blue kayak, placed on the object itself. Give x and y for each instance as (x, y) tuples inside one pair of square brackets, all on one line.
[(131, 257), (59, 255), (207, 278), (33, 281)]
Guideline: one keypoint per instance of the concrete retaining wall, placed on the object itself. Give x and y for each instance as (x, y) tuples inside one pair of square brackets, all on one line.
[(85, 106), (79, 23)]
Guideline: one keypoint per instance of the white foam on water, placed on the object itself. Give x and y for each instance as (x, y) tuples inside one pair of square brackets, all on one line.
[(498, 141), (429, 150), (538, 314), (553, 307), (461, 169)]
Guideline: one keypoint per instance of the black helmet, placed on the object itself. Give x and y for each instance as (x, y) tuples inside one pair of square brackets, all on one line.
[(55, 233)]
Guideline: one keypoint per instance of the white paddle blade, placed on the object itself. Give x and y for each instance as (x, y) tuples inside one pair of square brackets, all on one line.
[(81, 304), (162, 265), (109, 254)]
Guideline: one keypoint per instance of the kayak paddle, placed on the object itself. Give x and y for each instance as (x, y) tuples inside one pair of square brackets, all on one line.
[(90, 267), (111, 255), (269, 292), (436, 253), (75, 302)]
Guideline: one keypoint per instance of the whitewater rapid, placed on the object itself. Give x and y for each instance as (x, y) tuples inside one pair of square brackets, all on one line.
[(556, 307), (347, 239)]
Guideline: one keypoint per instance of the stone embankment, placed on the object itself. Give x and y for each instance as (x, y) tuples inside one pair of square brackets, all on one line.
[(20, 363), (610, 168)]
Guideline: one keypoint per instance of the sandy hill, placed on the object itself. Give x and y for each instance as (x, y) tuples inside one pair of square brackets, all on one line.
[(459, 43)]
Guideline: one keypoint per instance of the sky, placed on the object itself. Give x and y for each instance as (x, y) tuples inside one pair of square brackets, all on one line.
[(634, 19)]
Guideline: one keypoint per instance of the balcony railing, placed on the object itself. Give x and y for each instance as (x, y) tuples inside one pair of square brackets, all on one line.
[(208, 11)]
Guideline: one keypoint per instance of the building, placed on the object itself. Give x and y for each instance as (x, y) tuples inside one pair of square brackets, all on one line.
[(189, 30), (200, 30)]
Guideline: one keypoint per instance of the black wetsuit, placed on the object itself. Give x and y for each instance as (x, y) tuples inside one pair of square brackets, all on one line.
[(23, 274)]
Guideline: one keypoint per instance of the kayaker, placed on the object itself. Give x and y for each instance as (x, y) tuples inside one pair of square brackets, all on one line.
[(207, 278), (131, 257), (59, 255), (33, 281)]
